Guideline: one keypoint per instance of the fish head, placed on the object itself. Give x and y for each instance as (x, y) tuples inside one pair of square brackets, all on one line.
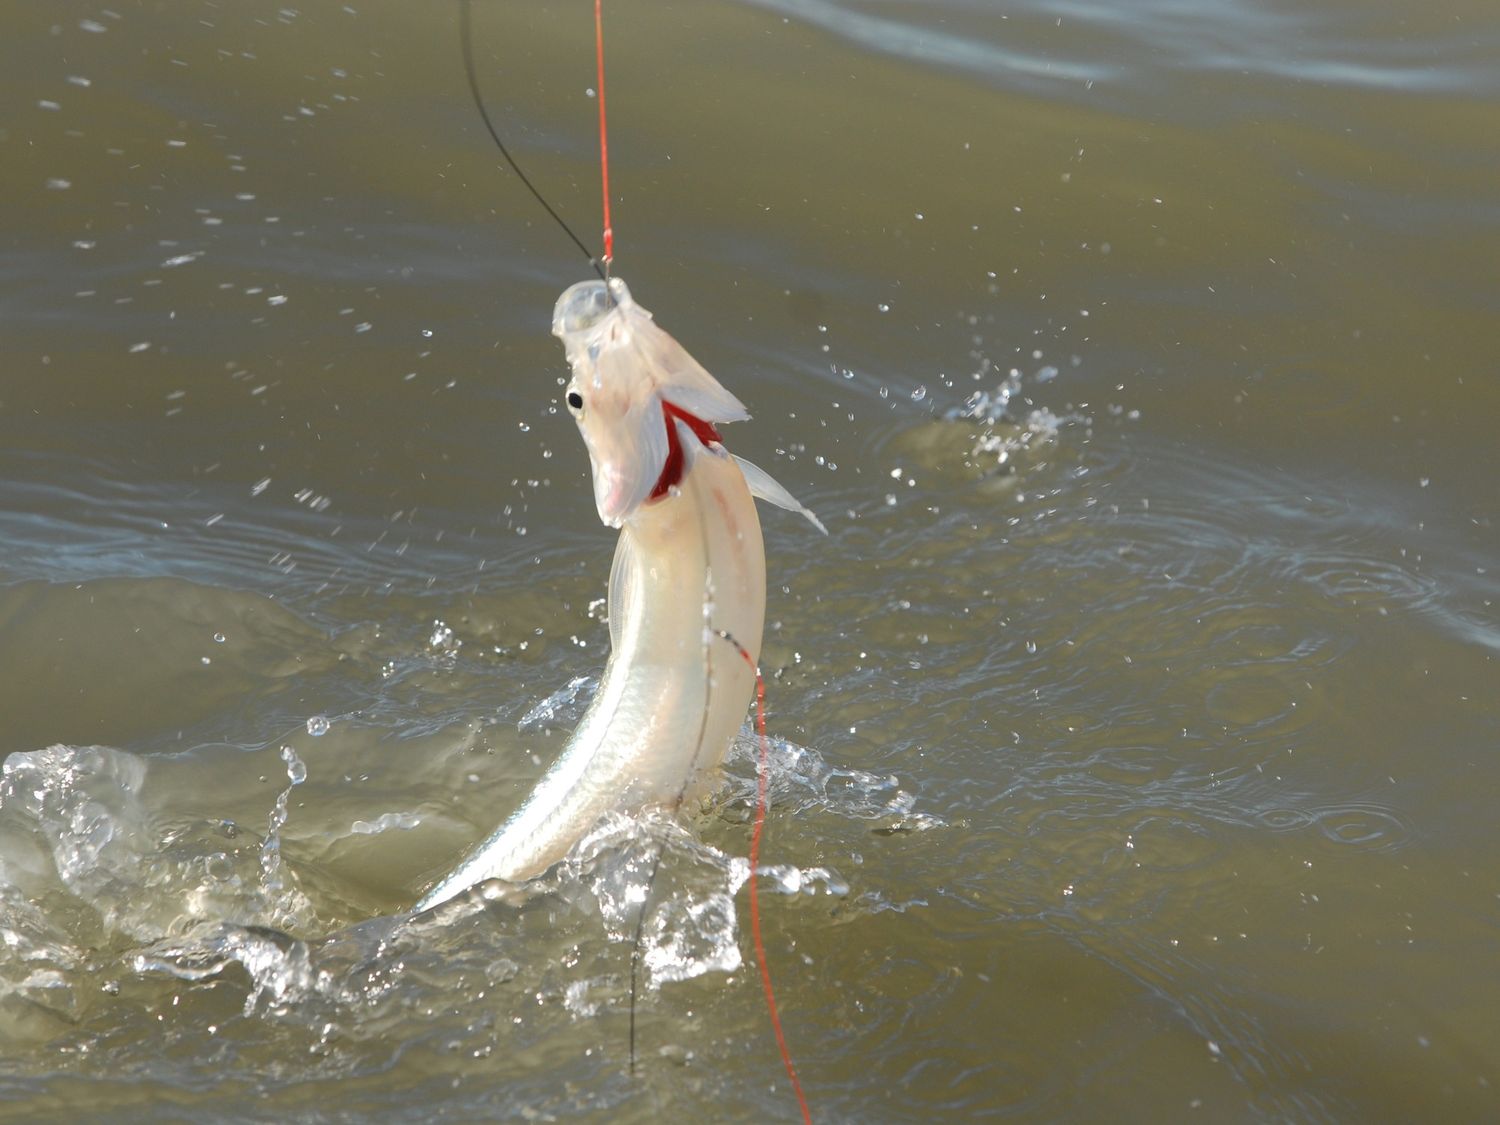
[(633, 386)]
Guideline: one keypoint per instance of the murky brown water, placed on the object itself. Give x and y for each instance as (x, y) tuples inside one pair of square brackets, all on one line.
[(1136, 725)]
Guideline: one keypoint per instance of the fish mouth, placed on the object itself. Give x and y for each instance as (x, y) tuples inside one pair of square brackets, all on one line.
[(611, 498), (584, 305)]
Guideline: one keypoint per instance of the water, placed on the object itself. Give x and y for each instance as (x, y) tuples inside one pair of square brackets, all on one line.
[(1134, 728)]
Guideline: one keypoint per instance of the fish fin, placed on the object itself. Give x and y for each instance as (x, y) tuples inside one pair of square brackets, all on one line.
[(682, 380), (622, 586), (764, 487), (713, 403)]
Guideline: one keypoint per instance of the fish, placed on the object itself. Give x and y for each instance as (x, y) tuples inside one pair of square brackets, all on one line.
[(687, 588)]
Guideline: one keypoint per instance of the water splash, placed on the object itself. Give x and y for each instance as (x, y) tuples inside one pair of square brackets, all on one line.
[(385, 822), (289, 907), (802, 780), (442, 643), (84, 820), (562, 705), (1009, 421), (205, 901), (279, 966), (691, 924), (85, 804)]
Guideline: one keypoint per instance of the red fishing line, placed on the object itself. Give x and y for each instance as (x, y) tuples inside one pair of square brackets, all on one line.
[(706, 433), (762, 771), (609, 230)]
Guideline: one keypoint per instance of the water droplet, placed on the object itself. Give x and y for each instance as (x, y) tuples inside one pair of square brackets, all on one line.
[(318, 725), (919, 394), (218, 638)]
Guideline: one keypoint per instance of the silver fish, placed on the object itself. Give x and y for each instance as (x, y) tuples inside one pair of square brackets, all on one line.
[(689, 568)]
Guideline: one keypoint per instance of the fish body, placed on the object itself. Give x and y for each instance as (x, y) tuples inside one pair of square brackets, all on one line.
[(688, 585)]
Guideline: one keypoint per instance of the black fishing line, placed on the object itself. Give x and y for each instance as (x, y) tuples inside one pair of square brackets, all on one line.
[(467, 39)]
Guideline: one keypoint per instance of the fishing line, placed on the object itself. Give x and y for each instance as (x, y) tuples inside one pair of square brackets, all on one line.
[(763, 769), (609, 230), (762, 773), (601, 267), (467, 39)]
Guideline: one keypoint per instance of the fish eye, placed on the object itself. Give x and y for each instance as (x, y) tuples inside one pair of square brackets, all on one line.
[(575, 400)]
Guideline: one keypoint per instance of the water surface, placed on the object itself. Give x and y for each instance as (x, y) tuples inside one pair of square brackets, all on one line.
[(1134, 730)]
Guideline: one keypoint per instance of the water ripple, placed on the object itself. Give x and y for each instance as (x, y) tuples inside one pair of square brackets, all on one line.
[(1052, 46), (1359, 825)]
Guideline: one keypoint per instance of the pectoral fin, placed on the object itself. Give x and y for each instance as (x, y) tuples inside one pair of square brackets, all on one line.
[(624, 587), (764, 487)]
